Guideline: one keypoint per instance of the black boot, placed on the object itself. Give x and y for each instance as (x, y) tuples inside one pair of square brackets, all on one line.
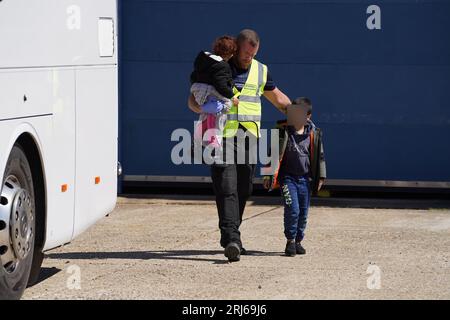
[(290, 248), (233, 252), (299, 248)]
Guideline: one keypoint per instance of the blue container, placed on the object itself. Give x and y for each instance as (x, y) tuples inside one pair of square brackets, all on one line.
[(382, 96)]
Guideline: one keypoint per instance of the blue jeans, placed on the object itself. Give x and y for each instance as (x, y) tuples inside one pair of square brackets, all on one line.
[(296, 197)]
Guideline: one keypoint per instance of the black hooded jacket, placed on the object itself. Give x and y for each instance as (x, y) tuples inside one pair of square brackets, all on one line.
[(213, 70)]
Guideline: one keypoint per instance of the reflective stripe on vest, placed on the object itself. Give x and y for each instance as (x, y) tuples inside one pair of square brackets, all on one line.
[(248, 112), (249, 99), (243, 117)]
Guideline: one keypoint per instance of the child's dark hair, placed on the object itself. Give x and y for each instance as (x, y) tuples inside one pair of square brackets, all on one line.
[(303, 101), (225, 46)]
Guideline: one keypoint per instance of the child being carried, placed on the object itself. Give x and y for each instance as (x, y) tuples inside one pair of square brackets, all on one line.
[(211, 81)]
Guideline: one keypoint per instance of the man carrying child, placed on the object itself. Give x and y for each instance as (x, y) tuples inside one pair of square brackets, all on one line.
[(233, 181)]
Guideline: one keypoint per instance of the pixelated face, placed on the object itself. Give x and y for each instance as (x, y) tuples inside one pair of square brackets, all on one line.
[(246, 54), (296, 116)]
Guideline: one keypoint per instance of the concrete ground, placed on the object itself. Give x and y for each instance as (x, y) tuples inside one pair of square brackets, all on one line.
[(168, 249)]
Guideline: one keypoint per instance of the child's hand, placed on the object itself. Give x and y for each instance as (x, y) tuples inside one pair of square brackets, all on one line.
[(266, 184), (321, 182), (235, 101)]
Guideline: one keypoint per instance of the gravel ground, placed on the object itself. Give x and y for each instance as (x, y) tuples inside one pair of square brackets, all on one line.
[(168, 249)]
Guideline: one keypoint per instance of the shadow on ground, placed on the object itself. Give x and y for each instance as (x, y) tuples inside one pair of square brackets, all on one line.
[(190, 255), (45, 274)]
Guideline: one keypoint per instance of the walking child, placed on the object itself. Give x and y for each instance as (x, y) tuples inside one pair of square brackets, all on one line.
[(301, 172)]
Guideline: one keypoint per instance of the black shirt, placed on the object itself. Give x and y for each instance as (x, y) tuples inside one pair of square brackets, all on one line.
[(240, 77), (296, 158)]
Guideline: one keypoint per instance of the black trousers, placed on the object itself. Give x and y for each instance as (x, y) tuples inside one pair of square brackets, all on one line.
[(233, 185)]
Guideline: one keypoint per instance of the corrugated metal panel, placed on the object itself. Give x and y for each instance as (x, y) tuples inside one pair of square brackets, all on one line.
[(381, 96)]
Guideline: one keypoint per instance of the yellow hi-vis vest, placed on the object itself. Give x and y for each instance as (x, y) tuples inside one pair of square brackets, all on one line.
[(248, 112)]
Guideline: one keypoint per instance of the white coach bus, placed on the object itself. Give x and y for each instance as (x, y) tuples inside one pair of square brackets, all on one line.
[(58, 128)]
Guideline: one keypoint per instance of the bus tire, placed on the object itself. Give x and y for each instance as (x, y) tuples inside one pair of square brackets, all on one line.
[(17, 225), (35, 271)]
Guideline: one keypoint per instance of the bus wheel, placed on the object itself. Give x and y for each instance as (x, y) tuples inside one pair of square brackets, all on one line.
[(17, 225)]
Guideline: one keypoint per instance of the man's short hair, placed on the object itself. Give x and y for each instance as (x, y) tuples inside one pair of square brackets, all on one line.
[(248, 35), (303, 101)]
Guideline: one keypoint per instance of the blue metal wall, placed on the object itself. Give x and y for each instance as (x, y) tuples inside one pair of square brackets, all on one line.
[(381, 96)]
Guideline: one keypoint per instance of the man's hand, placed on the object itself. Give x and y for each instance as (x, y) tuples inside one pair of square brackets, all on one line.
[(212, 106), (266, 184), (321, 182), (193, 105), (278, 99), (235, 101)]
